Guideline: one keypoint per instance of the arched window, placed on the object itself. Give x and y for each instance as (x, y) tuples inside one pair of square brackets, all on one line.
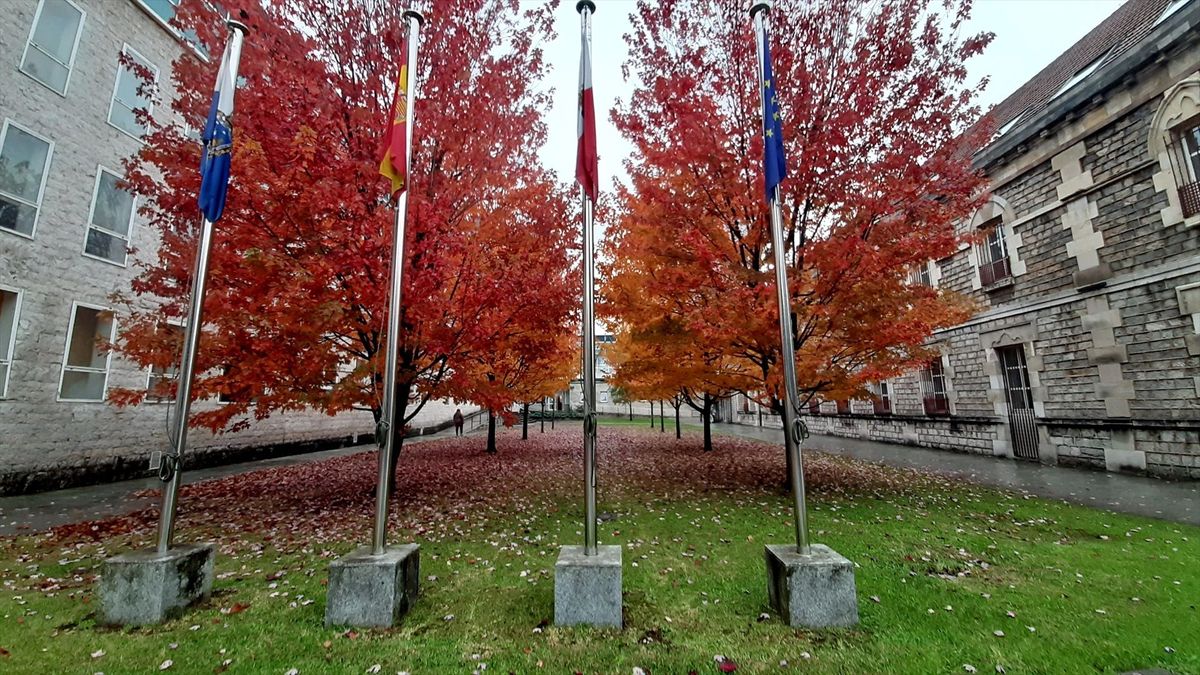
[(1175, 141)]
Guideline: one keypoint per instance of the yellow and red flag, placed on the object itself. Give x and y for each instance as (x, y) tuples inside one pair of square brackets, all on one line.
[(395, 142)]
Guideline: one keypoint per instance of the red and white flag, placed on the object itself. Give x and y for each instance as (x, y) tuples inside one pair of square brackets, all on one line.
[(586, 162)]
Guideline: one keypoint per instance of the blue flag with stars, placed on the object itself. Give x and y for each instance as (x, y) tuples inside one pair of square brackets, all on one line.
[(774, 159)]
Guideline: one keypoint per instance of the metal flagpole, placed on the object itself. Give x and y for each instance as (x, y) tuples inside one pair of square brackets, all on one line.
[(191, 342), (387, 420), (585, 9), (792, 431)]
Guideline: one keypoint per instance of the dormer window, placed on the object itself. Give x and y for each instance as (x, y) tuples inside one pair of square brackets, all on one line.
[(1171, 9)]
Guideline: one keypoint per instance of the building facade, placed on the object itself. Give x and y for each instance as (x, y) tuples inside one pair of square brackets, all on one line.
[(1087, 348), (66, 232)]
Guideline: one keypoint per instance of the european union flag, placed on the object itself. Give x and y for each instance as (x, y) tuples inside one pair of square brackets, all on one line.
[(774, 159), (218, 137)]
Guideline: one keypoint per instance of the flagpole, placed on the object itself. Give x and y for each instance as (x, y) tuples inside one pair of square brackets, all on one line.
[(586, 8), (191, 342), (791, 422), (387, 421)]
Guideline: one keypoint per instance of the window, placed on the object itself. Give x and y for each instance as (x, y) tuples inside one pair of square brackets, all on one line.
[(1185, 155), (604, 397), (131, 93), (163, 9), (24, 159), (883, 398), (53, 41), (1081, 75), (10, 309), (112, 213), (993, 255), (933, 389), (1175, 6), (920, 275), (158, 385), (814, 407), (85, 363)]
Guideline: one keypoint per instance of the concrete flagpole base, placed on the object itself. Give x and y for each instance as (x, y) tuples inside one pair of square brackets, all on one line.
[(815, 590), (373, 591), (587, 588), (147, 587)]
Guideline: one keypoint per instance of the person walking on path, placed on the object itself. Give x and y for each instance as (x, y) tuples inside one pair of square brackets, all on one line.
[(458, 422)]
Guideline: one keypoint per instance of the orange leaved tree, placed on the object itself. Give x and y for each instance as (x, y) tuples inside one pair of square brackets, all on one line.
[(880, 126)]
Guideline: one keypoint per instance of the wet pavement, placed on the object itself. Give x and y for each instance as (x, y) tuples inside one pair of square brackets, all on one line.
[(1154, 498), (1138, 495), (24, 514)]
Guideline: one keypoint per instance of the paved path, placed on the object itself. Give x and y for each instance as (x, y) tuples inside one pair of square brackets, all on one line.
[(22, 514), (1151, 497)]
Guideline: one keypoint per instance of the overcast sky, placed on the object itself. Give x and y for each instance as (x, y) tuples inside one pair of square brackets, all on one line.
[(1029, 35)]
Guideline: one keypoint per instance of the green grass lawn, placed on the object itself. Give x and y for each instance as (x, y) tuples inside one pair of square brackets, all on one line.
[(949, 576)]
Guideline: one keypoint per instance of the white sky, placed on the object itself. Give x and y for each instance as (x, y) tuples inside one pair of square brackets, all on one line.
[(1029, 35)]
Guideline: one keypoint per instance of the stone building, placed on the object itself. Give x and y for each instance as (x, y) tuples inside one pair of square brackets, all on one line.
[(65, 229), (1087, 348)]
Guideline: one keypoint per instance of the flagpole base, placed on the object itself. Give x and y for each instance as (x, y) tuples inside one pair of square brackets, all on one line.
[(142, 588), (811, 590), (587, 588), (373, 591)]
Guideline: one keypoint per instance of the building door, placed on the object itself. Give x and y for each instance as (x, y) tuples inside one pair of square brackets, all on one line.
[(1021, 420)]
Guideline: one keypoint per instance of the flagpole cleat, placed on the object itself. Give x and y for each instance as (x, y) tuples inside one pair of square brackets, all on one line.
[(591, 6)]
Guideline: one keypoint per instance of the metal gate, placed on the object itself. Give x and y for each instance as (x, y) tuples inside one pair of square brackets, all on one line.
[(1021, 421)]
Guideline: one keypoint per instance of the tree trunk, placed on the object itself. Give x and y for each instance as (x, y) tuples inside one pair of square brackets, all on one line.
[(631, 411), (525, 422), (543, 416), (553, 412), (651, 415), (662, 417), (708, 423), (397, 432), (678, 434), (491, 444)]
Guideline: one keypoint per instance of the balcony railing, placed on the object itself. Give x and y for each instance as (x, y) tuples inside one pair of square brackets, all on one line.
[(938, 404), (990, 273), (1189, 199)]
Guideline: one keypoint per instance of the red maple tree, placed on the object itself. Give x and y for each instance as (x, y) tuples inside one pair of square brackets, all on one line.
[(295, 312), (880, 125)]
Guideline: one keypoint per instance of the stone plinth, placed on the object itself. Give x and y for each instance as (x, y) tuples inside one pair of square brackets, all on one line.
[(587, 588), (815, 590), (373, 591), (147, 587)]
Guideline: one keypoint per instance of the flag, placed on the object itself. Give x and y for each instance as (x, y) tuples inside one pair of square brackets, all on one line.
[(587, 169), (774, 160), (394, 164), (218, 135)]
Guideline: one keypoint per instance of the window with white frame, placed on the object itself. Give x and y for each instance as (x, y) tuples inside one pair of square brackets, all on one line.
[(919, 275), (24, 158), (993, 254), (163, 9), (112, 216), (933, 388), (53, 42), (158, 385), (883, 397), (85, 362), (131, 93), (10, 311)]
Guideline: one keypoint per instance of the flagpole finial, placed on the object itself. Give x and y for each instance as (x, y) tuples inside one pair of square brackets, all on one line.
[(414, 14), (234, 24), (760, 6), (588, 4)]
